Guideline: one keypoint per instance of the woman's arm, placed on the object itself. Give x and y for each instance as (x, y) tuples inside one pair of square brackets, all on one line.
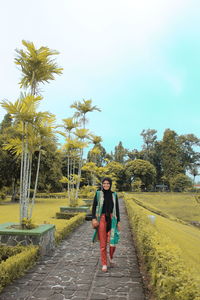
[(117, 209), (95, 223), (94, 207), (118, 213)]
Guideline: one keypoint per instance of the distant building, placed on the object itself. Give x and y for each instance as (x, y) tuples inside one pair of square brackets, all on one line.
[(161, 188), (197, 186)]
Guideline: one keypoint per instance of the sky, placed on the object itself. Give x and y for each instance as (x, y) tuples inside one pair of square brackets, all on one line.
[(139, 61)]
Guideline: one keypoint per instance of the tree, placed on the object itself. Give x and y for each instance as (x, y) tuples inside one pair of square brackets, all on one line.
[(171, 155), (34, 131), (193, 170), (37, 66), (180, 183), (24, 113), (188, 145), (71, 150), (98, 153), (117, 171), (143, 170), (82, 108), (91, 168), (10, 164), (120, 153), (50, 167), (149, 137)]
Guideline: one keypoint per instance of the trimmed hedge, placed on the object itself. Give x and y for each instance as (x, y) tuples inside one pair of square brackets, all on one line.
[(16, 260), (15, 266), (65, 215), (169, 276), (69, 226)]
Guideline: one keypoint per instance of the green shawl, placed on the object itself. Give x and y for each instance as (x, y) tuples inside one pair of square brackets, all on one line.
[(114, 235)]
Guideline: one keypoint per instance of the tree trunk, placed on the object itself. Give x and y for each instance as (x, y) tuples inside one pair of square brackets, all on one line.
[(36, 183)]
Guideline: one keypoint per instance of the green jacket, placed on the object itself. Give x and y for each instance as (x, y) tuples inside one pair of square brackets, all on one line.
[(114, 235)]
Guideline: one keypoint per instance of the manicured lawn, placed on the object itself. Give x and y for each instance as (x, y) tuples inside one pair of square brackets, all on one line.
[(180, 205), (183, 206), (43, 212)]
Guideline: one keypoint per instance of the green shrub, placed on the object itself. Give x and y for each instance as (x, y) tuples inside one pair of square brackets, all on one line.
[(180, 183), (2, 195), (7, 251), (88, 191), (65, 215), (170, 277), (70, 225), (27, 224), (15, 266), (136, 185)]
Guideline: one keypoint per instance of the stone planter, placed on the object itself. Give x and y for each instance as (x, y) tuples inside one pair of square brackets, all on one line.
[(76, 209), (88, 202), (65, 215), (43, 236)]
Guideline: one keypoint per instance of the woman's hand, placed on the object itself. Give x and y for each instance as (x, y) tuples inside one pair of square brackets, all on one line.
[(95, 223), (119, 226)]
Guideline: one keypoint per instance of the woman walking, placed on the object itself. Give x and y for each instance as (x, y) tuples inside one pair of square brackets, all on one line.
[(106, 221)]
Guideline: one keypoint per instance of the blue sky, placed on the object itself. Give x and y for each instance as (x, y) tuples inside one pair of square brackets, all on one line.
[(139, 61)]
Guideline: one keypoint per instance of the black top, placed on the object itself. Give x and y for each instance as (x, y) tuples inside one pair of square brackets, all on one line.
[(107, 205)]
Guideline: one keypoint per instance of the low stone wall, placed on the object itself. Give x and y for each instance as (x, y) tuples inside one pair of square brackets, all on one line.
[(76, 209), (43, 236)]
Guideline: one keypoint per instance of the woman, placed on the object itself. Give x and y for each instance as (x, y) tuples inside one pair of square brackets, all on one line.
[(106, 221)]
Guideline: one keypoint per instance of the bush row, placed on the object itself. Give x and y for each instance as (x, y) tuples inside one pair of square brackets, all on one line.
[(170, 278), (15, 260), (69, 226), (19, 259)]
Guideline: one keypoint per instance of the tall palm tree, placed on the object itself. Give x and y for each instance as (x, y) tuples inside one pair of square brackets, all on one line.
[(96, 139), (82, 134), (70, 147), (43, 134), (37, 66), (24, 112), (82, 108), (34, 130)]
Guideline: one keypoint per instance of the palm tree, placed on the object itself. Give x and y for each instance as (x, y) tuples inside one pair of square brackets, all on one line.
[(34, 130), (24, 112), (95, 139), (43, 135), (82, 108), (37, 66), (82, 134), (70, 147)]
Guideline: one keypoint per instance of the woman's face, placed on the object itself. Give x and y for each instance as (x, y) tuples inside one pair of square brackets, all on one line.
[(106, 185)]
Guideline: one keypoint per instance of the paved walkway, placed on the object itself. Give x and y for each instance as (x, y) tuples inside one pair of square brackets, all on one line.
[(74, 271)]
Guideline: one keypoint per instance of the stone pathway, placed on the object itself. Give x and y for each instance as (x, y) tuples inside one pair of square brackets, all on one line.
[(73, 271)]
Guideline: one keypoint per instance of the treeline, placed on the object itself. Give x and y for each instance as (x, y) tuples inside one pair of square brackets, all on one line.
[(32, 160), (160, 165)]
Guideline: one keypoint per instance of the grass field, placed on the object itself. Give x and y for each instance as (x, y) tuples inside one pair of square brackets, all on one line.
[(183, 206), (43, 212), (180, 205)]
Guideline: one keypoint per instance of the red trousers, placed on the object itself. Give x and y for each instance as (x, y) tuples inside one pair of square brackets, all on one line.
[(104, 238)]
